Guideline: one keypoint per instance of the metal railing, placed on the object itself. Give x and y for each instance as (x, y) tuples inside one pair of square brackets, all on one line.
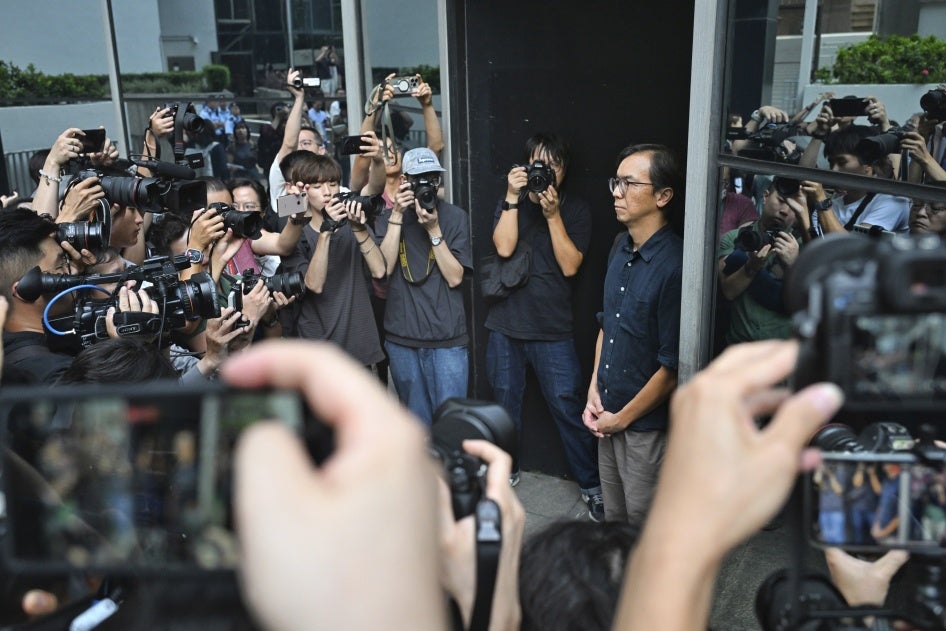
[(18, 171)]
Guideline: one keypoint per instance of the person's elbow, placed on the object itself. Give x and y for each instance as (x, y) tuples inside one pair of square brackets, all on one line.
[(314, 286), (380, 273)]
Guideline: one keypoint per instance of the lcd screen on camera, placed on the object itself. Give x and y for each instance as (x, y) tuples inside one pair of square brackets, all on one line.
[(132, 482), (875, 502), (902, 356)]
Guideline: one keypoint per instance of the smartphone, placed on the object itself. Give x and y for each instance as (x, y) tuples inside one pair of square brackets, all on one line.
[(871, 503), (351, 145), (403, 86), (848, 106), (126, 480), (93, 141), (290, 205)]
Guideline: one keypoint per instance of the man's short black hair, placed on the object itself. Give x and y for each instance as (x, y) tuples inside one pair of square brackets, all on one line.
[(570, 575), (22, 232), (119, 361), (553, 144), (846, 139), (162, 233), (245, 182), (665, 172)]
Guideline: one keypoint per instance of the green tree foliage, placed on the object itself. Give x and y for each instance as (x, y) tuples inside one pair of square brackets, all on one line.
[(892, 59), (26, 86)]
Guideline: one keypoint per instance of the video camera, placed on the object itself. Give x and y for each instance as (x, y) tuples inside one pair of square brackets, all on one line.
[(770, 139), (179, 301)]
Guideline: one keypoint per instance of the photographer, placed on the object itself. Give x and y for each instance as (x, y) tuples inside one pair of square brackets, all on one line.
[(925, 144), (533, 324), (845, 152), (67, 147), (927, 216), (337, 256), (753, 262), (26, 240), (426, 247)]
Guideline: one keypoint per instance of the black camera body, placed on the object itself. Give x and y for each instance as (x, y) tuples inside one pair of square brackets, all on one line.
[(934, 104), (871, 315), (770, 139), (289, 283), (539, 176), (425, 192), (190, 121), (246, 225), (457, 420), (750, 239), (372, 205), (874, 148)]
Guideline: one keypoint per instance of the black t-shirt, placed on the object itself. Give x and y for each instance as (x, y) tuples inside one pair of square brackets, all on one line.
[(26, 354), (541, 309), (426, 313)]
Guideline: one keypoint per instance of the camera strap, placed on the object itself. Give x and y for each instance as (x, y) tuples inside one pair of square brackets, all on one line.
[(860, 211), (489, 544)]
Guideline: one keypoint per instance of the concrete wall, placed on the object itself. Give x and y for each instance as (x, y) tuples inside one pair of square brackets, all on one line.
[(188, 29), (402, 33), (38, 126), (59, 37), (932, 19), (901, 100)]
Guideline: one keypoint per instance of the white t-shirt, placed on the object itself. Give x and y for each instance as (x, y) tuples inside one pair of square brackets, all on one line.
[(887, 211)]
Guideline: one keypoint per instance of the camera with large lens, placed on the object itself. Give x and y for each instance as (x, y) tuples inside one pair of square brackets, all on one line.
[(186, 115), (170, 189), (874, 148), (768, 142), (934, 104), (425, 192), (871, 315), (457, 420), (289, 283), (539, 176), (178, 301), (88, 235), (752, 239), (246, 225), (372, 205)]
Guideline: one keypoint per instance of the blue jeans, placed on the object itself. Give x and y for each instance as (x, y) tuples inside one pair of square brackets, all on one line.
[(426, 377), (556, 367)]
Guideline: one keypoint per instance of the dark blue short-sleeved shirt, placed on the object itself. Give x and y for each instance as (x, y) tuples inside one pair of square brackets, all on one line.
[(640, 321)]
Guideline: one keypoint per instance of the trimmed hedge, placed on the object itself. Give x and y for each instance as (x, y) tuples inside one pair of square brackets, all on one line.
[(892, 59), (22, 86)]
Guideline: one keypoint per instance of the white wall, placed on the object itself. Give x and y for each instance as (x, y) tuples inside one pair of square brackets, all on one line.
[(401, 34), (38, 126), (189, 29), (59, 37), (932, 19)]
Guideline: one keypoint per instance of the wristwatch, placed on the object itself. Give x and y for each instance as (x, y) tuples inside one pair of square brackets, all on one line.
[(196, 256), (507, 206), (435, 241), (824, 204)]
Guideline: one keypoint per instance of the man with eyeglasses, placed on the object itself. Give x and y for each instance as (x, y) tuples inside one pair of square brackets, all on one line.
[(533, 325), (26, 241), (753, 263), (926, 216), (636, 353), (426, 246)]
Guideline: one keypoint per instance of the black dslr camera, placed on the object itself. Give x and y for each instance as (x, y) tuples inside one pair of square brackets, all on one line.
[(874, 148), (769, 142), (178, 301), (289, 283), (539, 176), (247, 225), (373, 205), (425, 192), (749, 239), (871, 315), (169, 190), (457, 420)]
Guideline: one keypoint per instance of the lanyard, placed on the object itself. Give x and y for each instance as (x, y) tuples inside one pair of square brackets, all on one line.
[(406, 268)]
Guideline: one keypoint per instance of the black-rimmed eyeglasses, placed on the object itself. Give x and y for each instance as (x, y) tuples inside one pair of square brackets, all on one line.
[(621, 184)]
